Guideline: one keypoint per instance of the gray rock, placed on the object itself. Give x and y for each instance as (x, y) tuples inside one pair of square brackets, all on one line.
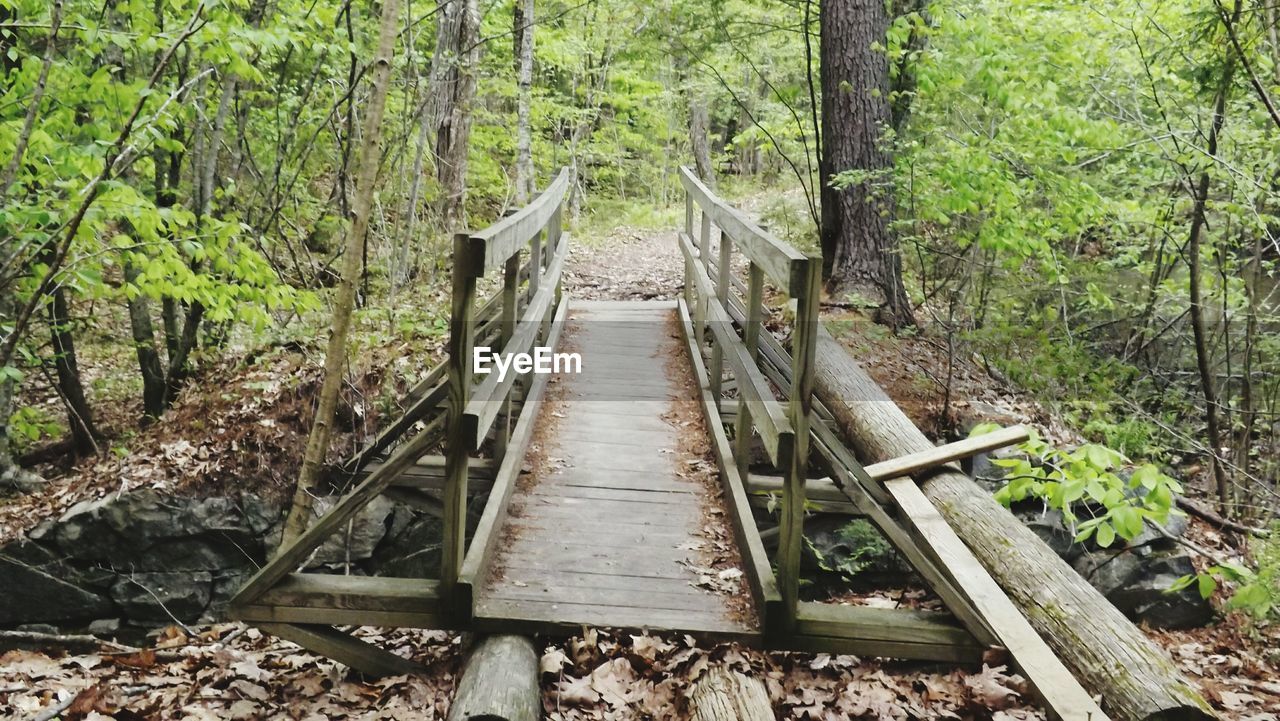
[(44, 628), (161, 597), (1173, 527), (412, 552), (105, 627), (837, 544), (1050, 526), (1109, 571), (1137, 581), (31, 595), (146, 530), (356, 541), (1147, 597), (225, 585), (973, 413)]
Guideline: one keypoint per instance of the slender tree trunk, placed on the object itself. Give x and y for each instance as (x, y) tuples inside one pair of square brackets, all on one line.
[(523, 30), (859, 250), (404, 264), (336, 353), (453, 88), (698, 125), (748, 162), (79, 415), (33, 108), (144, 344), (1200, 334)]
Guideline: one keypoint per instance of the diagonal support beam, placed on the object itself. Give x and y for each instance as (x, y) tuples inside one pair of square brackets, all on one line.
[(344, 648)]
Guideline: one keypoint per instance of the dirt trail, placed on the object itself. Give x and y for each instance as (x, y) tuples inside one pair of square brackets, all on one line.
[(625, 264)]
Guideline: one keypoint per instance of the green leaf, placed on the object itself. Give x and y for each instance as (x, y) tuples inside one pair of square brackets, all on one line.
[(1206, 585), (1106, 535)]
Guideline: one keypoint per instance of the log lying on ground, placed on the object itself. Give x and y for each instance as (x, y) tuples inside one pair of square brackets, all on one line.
[(499, 683), (1108, 654), (723, 694)]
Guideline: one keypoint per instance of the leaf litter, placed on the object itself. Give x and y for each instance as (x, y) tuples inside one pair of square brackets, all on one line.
[(606, 676), (229, 671)]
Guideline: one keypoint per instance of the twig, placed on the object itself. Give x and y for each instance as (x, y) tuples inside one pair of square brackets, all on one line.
[(77, 642), (1208, 515), (54, 710)]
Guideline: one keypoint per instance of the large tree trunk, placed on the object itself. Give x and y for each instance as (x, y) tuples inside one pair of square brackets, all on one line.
[(859, 250), (453, 88), (1106, 652), (723, 694), (499, 683), (335, 359), (522, 22)]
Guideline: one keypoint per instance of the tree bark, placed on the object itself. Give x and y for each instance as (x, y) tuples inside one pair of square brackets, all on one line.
[(698, 128), (453, 88), (499, 683), (84, 434), (1107, 653), (336, 354), (1194, 262), (522, 20), (144, 344), (859, 250), (723, 694)]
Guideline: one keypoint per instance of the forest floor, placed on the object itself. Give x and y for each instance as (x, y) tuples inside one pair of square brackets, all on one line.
[(228, 671)]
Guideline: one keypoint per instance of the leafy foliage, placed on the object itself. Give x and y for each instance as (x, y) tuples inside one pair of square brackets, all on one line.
[(1086, 482)]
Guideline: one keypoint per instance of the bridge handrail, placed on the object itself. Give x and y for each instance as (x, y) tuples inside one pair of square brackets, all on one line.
[(767, 412), (489, 396), (711, 294), (491, 247), (475, 409), (783, 264)]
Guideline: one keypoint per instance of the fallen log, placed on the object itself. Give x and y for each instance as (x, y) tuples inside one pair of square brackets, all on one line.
[(723, 694), (1107, 654), (499, 682)]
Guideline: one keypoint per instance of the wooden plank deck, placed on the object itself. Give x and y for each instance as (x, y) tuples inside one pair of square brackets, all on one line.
[(604, 529)]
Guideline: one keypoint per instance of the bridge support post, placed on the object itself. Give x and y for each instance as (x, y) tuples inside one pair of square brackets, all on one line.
[(803, 340), (460, 438)]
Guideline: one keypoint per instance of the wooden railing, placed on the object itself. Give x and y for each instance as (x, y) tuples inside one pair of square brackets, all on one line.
[(475, 409), (712, 295), (517, 316)]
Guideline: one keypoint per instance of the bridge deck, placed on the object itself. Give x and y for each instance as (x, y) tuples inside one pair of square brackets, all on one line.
[(608, 524)]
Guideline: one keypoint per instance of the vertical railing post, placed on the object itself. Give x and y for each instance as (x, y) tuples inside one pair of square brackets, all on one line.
[(554, 229), (751, 337), (535, 263), (461, 437), (688, 212), (723, 282), (704, 254), (803, 344), (688, 263), (506, 329)]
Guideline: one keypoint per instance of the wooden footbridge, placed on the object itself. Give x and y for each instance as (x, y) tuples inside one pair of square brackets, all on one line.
[(593, 517)]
